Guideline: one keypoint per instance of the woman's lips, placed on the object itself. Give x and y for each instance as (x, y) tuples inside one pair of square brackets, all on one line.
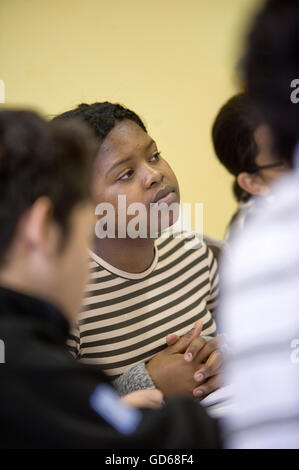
[(169, 198), (163, 193)]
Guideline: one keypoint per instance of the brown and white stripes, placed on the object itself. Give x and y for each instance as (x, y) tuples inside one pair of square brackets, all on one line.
[(126, 317)]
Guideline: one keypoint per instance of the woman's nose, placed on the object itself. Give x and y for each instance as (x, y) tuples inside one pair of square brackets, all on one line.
[(151, 176)]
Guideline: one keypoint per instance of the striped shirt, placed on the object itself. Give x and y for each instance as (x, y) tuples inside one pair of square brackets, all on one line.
[(126, 317)]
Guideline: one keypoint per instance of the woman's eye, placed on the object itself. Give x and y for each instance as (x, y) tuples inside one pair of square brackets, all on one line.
[(126, 175), (155, 157)]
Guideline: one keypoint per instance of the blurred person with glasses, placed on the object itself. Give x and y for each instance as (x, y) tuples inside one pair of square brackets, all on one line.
[(241, 143)]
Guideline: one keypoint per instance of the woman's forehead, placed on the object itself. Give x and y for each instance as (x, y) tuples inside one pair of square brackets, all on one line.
[(125, 137), (126, 140)]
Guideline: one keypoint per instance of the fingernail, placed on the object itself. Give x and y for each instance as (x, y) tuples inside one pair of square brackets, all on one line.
[(198, 377), (198, 393), (188, 356)]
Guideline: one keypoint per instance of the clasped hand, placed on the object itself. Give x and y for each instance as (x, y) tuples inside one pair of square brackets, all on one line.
[(188, 366)]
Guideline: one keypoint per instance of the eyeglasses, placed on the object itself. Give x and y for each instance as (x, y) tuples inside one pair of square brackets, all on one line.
[(269, 166)]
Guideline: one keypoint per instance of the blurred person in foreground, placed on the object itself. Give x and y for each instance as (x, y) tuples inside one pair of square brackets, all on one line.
[(47, 399), (260, 299)]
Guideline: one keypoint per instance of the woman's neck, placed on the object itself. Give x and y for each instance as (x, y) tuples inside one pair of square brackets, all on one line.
[(132, 256)]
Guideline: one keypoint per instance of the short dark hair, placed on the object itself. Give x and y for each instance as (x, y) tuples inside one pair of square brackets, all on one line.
[(38, 158), (101, 117), (272, 62), (233, 139)]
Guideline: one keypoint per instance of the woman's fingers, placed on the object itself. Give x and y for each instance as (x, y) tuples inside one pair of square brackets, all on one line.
[(208, 387), (210, 368)]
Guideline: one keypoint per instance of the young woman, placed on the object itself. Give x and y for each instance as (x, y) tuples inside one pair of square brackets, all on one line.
[(142, 289)]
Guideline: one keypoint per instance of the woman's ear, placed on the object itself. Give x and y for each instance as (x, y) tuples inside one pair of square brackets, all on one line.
[(252, 184)]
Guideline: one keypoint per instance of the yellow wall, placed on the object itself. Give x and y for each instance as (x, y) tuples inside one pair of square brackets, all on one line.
[(170, 60)]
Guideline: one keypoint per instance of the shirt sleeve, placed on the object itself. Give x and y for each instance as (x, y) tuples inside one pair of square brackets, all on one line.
[(135, 378), (213, 296)]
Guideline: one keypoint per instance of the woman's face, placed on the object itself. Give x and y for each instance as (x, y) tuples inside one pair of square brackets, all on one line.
[(129, 164)]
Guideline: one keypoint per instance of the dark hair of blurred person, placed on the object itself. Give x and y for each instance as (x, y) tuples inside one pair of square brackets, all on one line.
[(45, 174), (271, 64)]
